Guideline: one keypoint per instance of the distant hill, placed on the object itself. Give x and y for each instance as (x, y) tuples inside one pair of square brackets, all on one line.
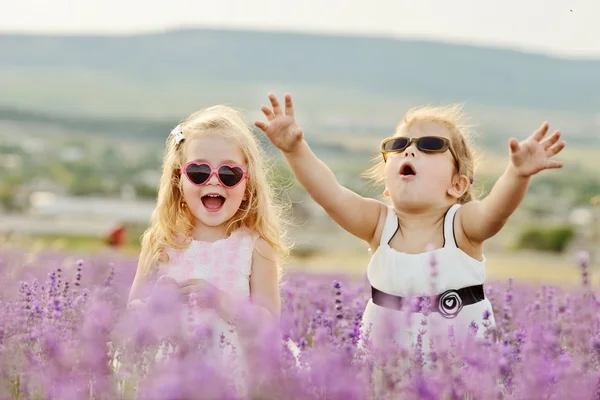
[(364, 83)]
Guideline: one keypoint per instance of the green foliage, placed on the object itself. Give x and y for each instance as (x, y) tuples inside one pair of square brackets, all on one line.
[(145, 191), (134, 234), (8, 187), (60, 173), (553, 238)]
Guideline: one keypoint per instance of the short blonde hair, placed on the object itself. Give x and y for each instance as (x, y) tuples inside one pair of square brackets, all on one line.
[(172, 221), (453, 118)]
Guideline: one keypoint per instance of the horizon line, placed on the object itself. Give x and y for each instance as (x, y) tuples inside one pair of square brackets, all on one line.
[(529, 50)]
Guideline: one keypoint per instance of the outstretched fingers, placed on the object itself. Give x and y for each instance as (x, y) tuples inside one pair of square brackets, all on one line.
[(289, 106), (555, 149), (541, 132), (261, 125), (549, 141), (513, 144), (551, 164), (268, 113), (275, 104)]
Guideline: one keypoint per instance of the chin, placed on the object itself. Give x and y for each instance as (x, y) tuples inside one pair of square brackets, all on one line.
[(412, 202), (214, 218)]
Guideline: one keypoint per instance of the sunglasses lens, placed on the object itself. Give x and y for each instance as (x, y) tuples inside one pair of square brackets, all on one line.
[(396, 144), (431, 144), (230, 176), (198, 173)]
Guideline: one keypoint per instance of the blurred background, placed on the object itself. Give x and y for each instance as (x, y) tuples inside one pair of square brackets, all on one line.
[(90, 90)]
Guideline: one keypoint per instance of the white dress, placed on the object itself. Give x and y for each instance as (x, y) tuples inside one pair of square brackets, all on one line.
[(396, 278), (225, 264)]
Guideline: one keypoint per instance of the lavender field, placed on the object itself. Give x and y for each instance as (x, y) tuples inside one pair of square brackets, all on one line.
[(65, 334)]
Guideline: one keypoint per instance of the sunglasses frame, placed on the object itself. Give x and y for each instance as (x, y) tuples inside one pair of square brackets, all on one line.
[(447, 145), (213, 171)]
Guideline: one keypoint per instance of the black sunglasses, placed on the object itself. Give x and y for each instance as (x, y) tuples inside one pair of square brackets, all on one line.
[(426, 144)]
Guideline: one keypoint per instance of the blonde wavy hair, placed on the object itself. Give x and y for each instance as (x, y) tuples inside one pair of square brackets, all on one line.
[(171, 222), (461, 134)]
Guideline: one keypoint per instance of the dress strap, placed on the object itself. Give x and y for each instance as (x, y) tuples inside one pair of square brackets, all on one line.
[(449, 236), (390, 227)]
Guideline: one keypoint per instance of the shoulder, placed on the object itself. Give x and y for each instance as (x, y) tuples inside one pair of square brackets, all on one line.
[(473, 249), (167, 252), (263, 250), (264, 261), (462, 213), (385, 212), (178, 244)]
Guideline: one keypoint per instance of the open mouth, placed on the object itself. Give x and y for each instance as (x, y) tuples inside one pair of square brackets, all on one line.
[(213, 202), (407, 170)]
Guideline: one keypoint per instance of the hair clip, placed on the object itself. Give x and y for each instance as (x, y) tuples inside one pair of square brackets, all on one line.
[(177, 132), (471, 179)]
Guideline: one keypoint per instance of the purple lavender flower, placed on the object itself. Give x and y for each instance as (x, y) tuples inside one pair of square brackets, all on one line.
[(338, 299), (60, 340), (583, 260)]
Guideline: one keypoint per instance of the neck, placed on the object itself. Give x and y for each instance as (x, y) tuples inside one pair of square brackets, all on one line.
[(206, 233), (421, 219)]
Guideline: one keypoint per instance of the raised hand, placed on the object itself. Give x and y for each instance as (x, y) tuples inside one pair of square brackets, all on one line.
[(534, 154), (281, 129)]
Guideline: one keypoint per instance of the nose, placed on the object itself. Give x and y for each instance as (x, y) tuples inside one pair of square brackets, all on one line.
[(213, 180), (410, 151)]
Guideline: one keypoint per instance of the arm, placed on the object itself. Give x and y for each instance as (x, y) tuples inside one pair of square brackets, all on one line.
[(138, 291), (358, 215), (483, 219), (141, 287), (354, 213), (264, 280)]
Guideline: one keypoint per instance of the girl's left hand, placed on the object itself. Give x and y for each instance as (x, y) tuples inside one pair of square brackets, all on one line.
[(205, 292), (533, 154)]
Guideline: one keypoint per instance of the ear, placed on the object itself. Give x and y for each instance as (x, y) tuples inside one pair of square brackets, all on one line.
[(386, 193), (459, 186)]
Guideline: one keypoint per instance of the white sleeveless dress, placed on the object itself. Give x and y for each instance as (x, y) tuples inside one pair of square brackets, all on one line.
[(225, 264), (399, 278)]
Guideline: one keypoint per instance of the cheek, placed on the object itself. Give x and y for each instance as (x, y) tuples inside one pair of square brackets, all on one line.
[(391, 168), (190, 192), (440, 171), (238, 192)]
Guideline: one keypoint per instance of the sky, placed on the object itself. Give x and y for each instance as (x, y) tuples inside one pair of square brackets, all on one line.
[(568, 28)]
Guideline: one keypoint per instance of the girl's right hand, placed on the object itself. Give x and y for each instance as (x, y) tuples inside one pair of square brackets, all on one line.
[(136, 305), (166, 281), (166, 284), (282, 129)]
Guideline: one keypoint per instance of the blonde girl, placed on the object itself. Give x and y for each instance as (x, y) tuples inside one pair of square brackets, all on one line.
[(216, 228), (427, 167)]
